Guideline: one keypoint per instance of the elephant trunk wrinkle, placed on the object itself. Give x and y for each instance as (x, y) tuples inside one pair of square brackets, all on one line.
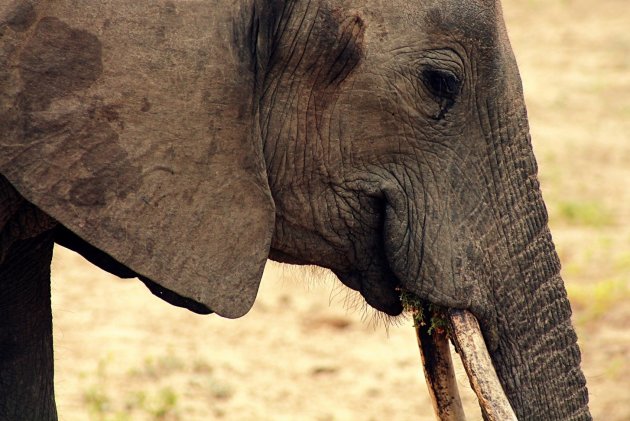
[(538, 358)]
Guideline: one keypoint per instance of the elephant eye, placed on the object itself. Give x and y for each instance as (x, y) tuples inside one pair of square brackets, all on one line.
[(444, 85)]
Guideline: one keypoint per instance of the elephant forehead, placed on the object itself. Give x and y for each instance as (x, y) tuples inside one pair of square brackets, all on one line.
[(410, 23), (472, 20)]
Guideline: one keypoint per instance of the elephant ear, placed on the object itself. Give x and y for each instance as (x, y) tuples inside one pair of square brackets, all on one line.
[(131, 123)]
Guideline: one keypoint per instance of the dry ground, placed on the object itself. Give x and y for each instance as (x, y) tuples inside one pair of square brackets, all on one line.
[(121, 354)]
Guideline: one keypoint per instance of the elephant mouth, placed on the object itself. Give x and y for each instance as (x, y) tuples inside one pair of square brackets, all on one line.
[(381, 290), (465, 333)]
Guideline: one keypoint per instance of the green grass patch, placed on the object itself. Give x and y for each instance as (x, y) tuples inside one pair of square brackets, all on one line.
[(219, 390), (591, 214), (615, 369), (622, 262), (158, 367), (106, 399), (164, 404), (591, 302), (97, 401)]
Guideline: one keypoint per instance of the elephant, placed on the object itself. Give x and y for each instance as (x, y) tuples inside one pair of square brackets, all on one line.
[(186, 142)]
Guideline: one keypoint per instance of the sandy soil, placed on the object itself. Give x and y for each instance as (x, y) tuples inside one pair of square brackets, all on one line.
[(309, 350)]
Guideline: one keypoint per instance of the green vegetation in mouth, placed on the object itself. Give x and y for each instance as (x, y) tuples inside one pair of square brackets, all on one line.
[(413, 305), (424, 313)]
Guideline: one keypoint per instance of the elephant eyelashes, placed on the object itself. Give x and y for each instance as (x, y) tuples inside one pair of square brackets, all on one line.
[(444, 85)]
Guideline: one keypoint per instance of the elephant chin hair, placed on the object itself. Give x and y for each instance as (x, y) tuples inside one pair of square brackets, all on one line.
[(350, 299)]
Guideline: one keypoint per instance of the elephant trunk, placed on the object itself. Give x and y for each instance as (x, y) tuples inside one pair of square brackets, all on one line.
[(537, 358)]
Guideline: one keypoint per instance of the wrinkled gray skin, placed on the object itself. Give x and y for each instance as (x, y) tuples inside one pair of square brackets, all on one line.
[(186, 142)]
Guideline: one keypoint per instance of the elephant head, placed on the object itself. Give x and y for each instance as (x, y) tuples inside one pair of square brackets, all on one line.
[(187, 142)]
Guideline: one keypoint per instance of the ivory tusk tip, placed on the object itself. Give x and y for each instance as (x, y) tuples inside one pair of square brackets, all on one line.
[(468, 338)]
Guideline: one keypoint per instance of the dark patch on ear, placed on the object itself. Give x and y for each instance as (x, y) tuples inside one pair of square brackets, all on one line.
[(22, 16), (110, 112), (170, 8), (56, 61), (146, 105), (86, 144), (89, 192), (105, 161)]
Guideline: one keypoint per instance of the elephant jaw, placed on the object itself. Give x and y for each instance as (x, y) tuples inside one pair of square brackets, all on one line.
[(469, 343)]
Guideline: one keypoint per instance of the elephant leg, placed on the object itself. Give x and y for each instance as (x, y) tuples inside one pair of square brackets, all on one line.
[(26, 346)]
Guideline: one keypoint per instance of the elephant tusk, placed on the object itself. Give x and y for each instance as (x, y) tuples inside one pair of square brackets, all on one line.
[(439, 374), (463, 329), (471, 346)]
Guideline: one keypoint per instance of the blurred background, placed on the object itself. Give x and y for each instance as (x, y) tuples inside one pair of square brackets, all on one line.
[(309, 350)]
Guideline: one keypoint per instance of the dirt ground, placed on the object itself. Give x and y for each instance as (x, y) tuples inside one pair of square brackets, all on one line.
[(309, 350)]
